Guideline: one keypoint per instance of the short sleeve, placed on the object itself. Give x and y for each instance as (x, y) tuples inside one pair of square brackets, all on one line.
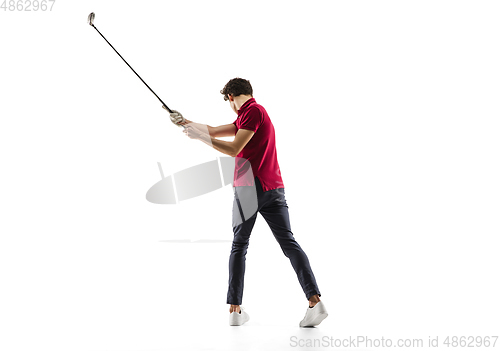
[(252, 119), (236, 130)]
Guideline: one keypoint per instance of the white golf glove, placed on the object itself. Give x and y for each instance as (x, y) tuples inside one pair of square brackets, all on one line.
[(177, 118)]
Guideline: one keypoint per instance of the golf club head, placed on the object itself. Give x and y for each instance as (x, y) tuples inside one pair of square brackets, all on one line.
[(91, 18)]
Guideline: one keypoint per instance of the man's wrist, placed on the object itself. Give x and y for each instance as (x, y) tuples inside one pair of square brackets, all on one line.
[(204, 137)]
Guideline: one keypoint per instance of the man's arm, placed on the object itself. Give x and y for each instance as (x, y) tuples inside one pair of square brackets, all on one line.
[(231, 148), (225, 130)]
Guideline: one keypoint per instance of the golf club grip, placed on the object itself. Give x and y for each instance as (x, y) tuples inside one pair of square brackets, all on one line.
[(165, 107)]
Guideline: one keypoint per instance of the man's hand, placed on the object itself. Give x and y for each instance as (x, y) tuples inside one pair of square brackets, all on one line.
[(192, 132), (177, 118)]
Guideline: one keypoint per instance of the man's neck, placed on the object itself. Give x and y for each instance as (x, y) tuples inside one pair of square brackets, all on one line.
[(240, 100)]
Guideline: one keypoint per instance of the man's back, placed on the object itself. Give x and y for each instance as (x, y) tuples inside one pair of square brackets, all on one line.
[(260, 152)]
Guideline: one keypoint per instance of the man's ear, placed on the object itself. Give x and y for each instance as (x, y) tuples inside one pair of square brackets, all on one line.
[(231, 98)]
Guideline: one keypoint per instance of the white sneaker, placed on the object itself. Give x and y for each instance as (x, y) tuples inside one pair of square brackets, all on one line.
[(314, 316), (236, 318)]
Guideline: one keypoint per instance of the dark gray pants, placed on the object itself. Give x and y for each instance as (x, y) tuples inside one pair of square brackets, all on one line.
[(248, 201)]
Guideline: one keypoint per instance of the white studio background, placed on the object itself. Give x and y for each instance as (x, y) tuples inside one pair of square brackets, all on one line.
[(387, 124)]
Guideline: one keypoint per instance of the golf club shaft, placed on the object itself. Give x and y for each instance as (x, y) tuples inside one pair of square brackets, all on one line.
[(168, 109)]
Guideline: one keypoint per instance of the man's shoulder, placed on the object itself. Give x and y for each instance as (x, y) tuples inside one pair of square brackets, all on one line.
[(255, 107)]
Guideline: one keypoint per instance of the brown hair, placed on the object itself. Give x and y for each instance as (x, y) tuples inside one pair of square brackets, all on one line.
[(237, 86)]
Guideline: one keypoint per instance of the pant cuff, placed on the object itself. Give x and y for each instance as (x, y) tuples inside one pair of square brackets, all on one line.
[(312, 294)]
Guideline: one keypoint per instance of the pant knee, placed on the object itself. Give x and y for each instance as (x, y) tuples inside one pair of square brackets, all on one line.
[(239, 246)]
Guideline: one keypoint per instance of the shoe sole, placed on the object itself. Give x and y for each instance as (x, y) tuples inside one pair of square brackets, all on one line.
[(316, 321), (233, 319)]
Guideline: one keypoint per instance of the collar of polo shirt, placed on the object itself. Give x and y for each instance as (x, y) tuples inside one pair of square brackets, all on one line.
[(244, 107)]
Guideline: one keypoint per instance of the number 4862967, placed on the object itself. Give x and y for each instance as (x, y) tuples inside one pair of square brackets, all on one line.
[(27, 5)]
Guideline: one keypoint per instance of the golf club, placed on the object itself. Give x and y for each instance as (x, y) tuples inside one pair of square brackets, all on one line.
[(91, 22)]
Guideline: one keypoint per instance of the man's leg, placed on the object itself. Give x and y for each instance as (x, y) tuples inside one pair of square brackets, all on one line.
[(237, 258), (313, 300), (276, 215)]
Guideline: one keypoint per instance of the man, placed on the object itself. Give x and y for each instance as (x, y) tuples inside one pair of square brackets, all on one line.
[(255, 151)]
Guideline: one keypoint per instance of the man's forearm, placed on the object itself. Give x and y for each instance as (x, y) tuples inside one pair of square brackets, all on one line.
[(226, 147), (204, 128)]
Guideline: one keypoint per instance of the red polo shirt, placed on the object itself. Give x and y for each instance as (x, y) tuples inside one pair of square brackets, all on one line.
[(260, 151)]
